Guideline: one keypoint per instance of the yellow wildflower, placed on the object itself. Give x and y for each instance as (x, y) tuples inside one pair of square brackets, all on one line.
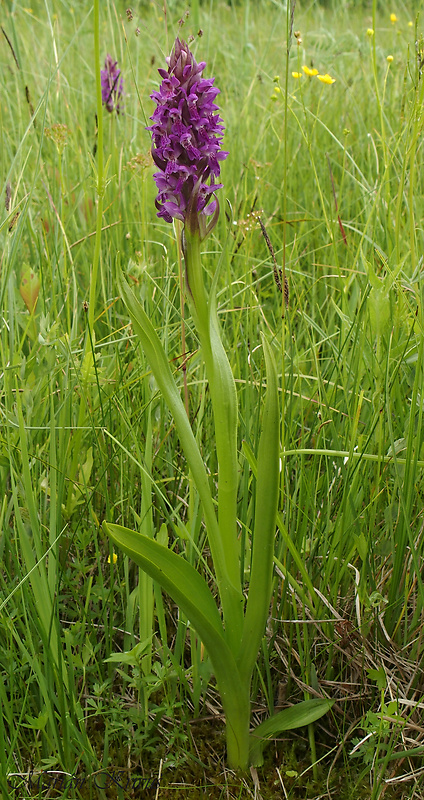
[(389, 59), (393, 18), (326, 78), (410, 24), (114, 559), (296, 74), (370, 32), (310, 72)]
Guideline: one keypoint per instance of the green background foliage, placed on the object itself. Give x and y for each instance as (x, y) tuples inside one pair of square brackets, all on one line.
[(335, 172)]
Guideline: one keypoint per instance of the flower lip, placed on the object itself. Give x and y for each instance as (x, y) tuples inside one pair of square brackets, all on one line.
[(186, 137)]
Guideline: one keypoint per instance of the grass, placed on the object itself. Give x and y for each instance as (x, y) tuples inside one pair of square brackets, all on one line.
[(98, 669)]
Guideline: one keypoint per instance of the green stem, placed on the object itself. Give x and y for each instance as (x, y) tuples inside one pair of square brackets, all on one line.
[(100, 168), (237, 723)]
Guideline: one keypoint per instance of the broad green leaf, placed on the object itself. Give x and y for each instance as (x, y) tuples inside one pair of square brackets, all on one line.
[(182, 582), (191, 593), (289, 719)]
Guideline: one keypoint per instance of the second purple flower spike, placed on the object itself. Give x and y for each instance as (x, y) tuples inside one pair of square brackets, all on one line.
[(112, 85), (186, 137)]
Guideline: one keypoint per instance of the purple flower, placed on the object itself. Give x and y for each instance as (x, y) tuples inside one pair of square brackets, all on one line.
[(112, 85), (186, 139)]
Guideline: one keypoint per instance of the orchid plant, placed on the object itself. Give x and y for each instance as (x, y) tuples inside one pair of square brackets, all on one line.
[(112, 85), (187, 136)]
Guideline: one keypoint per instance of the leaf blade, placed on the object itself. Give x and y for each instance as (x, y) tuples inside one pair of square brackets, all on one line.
[(267, 493), (289, 719), (182, 582), (190, 591), (230, 594)]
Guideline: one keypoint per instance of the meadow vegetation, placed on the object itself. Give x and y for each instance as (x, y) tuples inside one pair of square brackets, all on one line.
[(100, 671)]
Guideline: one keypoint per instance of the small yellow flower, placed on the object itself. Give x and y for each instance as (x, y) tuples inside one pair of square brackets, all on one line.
[(393, 18), (114, 558), (296, 74), (370, 32), (277, 89), (326, 78), (410, 24), (389, 59), (310, 72)]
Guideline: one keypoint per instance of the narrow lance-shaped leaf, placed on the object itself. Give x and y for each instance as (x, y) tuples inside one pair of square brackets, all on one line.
[(267, 488), (224, 403), (289, 543), (231, 598), (298, 716)]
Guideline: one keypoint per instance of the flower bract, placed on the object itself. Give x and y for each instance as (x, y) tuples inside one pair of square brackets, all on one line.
[(186, 138), (112, 85)]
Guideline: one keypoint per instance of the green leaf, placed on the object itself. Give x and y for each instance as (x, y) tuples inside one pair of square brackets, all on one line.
[(132, 657), (190, 591), (289, 719), (186, 586), (29, 288), (288, 541), (379, 676), (230, 594), (267, 493), (36, 723)]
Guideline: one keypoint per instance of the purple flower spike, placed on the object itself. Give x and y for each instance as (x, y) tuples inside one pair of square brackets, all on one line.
[(112, 85), (186, 141)]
